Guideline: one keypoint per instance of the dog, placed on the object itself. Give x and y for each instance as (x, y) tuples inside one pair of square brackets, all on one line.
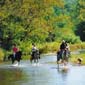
[(79, 60)]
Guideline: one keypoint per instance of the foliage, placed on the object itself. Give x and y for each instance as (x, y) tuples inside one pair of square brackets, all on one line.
[(40, 21), (71, 39), (80, 30), (1, 54), (77, 46)]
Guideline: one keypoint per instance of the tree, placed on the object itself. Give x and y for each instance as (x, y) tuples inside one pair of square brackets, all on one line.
[(80, 30)]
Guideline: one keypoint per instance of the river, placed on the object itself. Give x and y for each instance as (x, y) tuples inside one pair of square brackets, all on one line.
[(44, 73)]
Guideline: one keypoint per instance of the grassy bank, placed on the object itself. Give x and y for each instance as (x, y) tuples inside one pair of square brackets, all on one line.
[(54, 46), (74, 58), (2, 54), (77, 46)]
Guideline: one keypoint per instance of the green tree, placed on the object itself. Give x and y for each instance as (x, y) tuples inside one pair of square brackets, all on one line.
[(80, 30)]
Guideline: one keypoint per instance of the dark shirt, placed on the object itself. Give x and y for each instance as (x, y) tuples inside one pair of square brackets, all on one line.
[(62, 46)]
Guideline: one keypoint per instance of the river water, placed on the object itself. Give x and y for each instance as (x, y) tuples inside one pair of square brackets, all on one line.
[(44, 73)]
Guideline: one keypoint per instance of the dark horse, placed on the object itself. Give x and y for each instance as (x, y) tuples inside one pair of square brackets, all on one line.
[(16, 58), (63, 55), (35, 55)]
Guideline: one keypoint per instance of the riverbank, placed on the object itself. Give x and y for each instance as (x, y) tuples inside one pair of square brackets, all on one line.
[(74, 58)]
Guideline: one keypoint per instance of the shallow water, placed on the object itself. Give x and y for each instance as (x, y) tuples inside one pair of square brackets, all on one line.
[(42, 73)]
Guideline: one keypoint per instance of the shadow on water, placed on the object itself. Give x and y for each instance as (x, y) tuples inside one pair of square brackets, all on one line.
[(41, 74)]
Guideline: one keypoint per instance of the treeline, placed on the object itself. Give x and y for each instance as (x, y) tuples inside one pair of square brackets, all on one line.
[(26, 21)]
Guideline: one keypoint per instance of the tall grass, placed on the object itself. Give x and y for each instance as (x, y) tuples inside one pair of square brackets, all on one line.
[(48, 47), (1, 54), (74, 58), (77, 46)]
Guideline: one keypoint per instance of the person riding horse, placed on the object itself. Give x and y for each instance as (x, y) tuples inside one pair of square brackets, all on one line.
[(17, 57), (34, 54), (15, 49), (63, 53)]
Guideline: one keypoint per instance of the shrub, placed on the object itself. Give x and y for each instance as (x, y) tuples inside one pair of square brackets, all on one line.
[(1, 54), (71, 39)]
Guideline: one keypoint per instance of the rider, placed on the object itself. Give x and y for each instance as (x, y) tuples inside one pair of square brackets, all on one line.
[(34, 48), (33, 52), (15, 49), (63, 45)]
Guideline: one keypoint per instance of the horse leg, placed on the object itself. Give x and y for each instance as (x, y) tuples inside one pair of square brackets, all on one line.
[(65, 60), (13, 60), (18, 61), (31, 60), (34, 60), (37, 60), (58, 64)]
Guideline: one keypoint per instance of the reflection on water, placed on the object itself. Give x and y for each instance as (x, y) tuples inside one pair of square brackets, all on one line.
[(42, 74), (10, 76)]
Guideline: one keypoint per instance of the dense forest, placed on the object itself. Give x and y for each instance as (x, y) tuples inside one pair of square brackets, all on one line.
[(26, 21)]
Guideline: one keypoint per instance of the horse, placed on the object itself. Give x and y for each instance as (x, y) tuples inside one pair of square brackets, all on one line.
[(35, 55), (63, 55), (16, 58)]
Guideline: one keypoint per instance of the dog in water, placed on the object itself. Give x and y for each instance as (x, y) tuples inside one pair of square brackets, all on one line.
[(79, 61)]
